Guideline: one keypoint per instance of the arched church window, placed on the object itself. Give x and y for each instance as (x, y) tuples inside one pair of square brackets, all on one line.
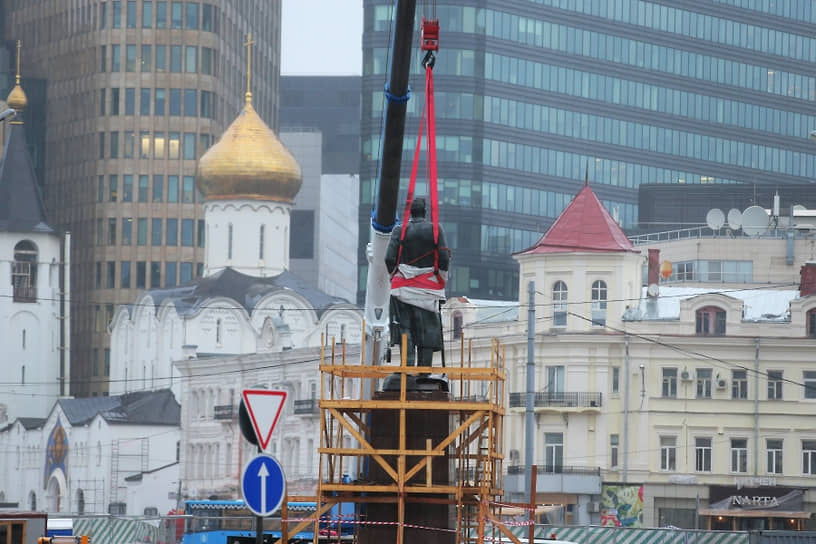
[(218, 332), (22, 375), (24, 272), (24, 339), (261, 243), (229, 241)]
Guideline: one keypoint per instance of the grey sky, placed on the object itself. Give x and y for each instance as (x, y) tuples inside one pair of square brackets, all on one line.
[(321, 37)]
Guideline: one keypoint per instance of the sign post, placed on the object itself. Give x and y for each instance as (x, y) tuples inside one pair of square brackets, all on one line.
[(263, 484)]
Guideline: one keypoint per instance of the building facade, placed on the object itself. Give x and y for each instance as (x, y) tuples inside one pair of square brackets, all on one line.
[(532, 94), (657, 401), (86, 456), (137, 90)]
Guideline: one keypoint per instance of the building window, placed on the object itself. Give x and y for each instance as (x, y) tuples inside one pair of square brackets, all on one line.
[(739, 384), (702, 454), (555, 380), (156, 232), (158, 188), (102, 101), (124, 278), (141, 277), (155, 274), (810, 319), (114, 145), (615, 380), (774, 447), (127, 231), (703, 383), (559, 295), (172, 232), (554, 452), (191, 16), (808, 456), (161, 14), (116, 58), (186, 272), (111, 275), (161, 62), (599, 303), (613, 450), (191, 59), (200, 232), (189, 152), (111, 231), (170, 274), (710, 321), (147, 14), (173, 145), (175, 58), (131, 14), (187, 232), (668, 453), (774, 385), (141, 231), (187, 189), (127, 188), (810, 384), (176, 14), (158, 145), (190, 103), (172, 189), (175, 101), (117, 14), (130, 58), (669, 383), (229, 241), (24, 272), (739, 455)]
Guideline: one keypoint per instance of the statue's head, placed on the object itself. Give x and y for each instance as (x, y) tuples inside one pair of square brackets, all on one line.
[(418, 207)]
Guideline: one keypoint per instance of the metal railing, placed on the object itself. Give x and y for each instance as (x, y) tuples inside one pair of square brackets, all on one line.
[(224, 411), (25, 294), (555, 469), (558, 399), (306, 406)]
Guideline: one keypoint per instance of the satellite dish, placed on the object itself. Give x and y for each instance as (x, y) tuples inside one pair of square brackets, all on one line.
[(715, 219), (653, 290), (735, 219), (755, 220)]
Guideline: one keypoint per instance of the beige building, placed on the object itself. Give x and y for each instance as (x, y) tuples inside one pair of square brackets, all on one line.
[(136, 91), (660, 400)]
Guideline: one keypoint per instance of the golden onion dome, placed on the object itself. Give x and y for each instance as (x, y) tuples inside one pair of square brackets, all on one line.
[(17, 98), (248, 163)]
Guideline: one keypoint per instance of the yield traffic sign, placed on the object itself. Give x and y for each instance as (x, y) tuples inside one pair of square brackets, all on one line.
[(264, 409), (263, 485)]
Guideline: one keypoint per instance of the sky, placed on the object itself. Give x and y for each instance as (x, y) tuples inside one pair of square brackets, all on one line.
[(321, 37)]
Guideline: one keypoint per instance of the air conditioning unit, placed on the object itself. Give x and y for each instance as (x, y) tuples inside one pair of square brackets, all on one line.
[(594, 507), (721, 384), (685, 376)]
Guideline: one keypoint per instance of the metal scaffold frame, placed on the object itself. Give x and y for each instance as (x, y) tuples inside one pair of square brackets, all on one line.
[(472, 447)]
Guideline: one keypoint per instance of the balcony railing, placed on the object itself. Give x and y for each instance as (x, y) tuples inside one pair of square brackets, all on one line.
[(25, 294), (307, 406), (556, 399), (555, 469), (224, 411)]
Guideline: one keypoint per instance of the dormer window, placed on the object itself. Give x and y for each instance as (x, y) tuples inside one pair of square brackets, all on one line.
[(24, 272), (559, 295), (710, 321), (810, 323)]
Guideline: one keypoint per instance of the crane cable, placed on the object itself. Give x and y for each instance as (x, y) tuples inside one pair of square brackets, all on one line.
[(430, 44)]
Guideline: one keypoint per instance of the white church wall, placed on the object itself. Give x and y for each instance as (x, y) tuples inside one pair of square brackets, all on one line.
[(30, 331), (248, 235)]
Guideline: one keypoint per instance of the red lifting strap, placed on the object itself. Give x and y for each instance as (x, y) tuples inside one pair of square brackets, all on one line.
[(430, 113)]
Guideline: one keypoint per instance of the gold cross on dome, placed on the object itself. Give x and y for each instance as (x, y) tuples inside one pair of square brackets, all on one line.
[(249, 43)]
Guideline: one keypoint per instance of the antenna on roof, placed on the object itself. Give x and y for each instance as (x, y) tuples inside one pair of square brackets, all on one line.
[(755, 220), (715, 219), (734, 219)]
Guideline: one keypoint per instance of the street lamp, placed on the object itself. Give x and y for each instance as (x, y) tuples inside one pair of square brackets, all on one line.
[(11, 113)]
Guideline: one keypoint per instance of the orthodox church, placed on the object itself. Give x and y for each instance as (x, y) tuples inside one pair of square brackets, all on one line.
[(248, 322)]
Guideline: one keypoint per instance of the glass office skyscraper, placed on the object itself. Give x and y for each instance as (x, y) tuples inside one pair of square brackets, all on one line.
[(533, 94)]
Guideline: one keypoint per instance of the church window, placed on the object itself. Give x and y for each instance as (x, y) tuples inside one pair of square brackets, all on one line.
[(24, 339), (24, 272), (22, 375), (261, 243), (218, 332), (229, 241), (811, 323)]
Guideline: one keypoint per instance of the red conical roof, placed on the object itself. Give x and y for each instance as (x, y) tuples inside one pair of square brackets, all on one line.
[(583, 226)]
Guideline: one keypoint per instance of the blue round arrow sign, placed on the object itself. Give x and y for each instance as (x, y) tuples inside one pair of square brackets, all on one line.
[(263, 485)]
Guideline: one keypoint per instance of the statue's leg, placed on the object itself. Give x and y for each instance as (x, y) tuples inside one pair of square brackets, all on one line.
[(425, 356)]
